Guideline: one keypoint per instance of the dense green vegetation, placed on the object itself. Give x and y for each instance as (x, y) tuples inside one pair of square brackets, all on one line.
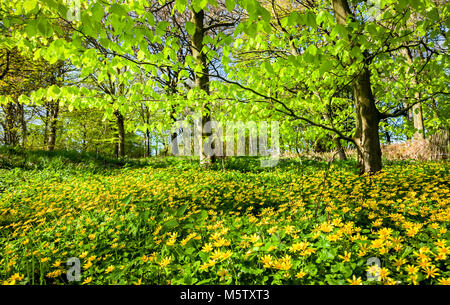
[(303, 222)]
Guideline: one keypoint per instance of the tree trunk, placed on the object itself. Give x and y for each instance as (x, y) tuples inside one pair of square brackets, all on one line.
[(202, 81), (120, 148), (52, 122), (23, 124), (418, 121), (367, 134), (147, 143), (340, 149), (367, 137), (11, 137), (388, 137), (416, 111), (173, 135)]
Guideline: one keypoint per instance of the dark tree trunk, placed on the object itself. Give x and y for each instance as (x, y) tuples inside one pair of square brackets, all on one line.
[(11, 137), (367, 135), (367, 115), (52, 125), (388, 137), (23, 124), (147, 143), (340, 149), (202, 80), (173, 136), (120, 148)]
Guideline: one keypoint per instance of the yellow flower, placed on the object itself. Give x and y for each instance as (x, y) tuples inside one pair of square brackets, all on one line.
[(267, 261), (383, 250), (254, 238), (87, 281), (207, 248), (443, 250), (413, 278), (204, 267), (109, 269), (355, 281), (440, 257), (87, 265), (440, 243), (226, 254), (301, 246), (444, 281), (377, 243), (431, 271), (346, 256), (361, 253), (374, 271), (423, 263), (57, 264), (222, 273), (216, 255), (271, 248), (399, 262), (164, 262), (412, 269), (300, 274), (384, 273)]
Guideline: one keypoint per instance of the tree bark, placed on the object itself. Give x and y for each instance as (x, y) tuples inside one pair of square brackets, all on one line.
[(201, 79), (340, 149), (173, 135), (120, 148), (147, 143), (23, 124), (368, 118), (416, 111), (53, 110), (367, 115), (11, 137)]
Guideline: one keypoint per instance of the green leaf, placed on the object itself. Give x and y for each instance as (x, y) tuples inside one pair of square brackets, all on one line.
[(311, 20), (180, 6), (44, 27), (190, 28), (181, 210), (170, 224), (230, 4), (198, 5), (55, 90), (29, 5), (312, 49), (202, 215), (127, 199), (322, 17), (118, 9), (97, 12)]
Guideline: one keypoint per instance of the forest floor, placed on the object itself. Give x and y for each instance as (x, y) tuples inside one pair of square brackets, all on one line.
[(167, 221)]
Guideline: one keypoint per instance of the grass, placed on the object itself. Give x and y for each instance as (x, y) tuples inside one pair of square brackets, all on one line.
[(167, 221)]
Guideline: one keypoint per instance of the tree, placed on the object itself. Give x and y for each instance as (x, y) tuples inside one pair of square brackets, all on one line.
[(338, 49)]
